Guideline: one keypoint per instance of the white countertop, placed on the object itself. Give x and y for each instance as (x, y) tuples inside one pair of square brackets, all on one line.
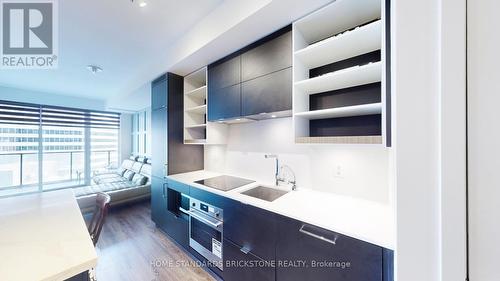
[(43, 237), (358, 218)]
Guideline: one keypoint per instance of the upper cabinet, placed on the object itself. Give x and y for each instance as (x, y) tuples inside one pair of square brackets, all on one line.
[(255, 82), (224, 92), (224, 74), (269, 57), (159, 93), (342, 74), (268, 93)]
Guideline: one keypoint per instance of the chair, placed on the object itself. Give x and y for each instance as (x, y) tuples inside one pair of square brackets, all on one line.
[(100, 212)]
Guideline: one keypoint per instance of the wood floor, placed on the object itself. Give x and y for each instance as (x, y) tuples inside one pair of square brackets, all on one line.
[(132, 248)]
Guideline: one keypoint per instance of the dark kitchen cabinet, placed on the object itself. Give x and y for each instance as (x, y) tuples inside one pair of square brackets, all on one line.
[(159, 142), (242, 265), (224, 103), (225, 73), (169, 154), (224, 94), (178, 228), (159, 93), (327, 255), (269, 93), (268, 57), (159, 211), (256, 79), (252, 228)]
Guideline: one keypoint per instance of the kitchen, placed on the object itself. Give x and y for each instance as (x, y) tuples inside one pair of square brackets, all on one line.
[(265, 165)]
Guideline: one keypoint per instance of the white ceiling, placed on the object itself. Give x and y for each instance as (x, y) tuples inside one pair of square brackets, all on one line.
[(134, 45), (117, 35)]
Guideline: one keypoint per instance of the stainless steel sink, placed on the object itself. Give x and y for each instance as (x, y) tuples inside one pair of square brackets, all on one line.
[(265, 193)]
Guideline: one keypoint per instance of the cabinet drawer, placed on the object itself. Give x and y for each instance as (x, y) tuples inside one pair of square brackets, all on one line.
[(240, 265), (224, 74), (269, 57), (269, 93), (178, 228), (328, 255), (251, 227)]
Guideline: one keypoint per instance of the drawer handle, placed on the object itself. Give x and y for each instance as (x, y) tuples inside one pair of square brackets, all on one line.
[(245, 250), (333, 242)]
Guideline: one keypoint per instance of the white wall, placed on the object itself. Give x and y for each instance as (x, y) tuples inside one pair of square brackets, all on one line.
[(363, 169), (429, 132), (415, 132), (20, 95), (484, 139)]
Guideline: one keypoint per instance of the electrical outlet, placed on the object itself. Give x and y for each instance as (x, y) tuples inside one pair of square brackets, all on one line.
[(338, 172)]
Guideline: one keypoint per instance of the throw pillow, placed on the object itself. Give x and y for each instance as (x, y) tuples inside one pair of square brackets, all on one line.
[(139, 179), (129, 175)]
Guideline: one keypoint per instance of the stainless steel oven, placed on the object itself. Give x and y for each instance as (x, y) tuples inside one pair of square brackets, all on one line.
[(205, 231)]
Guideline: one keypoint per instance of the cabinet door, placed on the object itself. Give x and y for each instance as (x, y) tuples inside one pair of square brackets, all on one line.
[(269, 57), (159, 93), (177, 227), (269, 93), (224, 74), (252, 228), (301, 242), (159, 142), (158, 202), (224, 103), (240, 265)]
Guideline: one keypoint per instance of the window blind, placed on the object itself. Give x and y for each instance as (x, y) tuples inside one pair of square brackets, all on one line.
[(33, 114)]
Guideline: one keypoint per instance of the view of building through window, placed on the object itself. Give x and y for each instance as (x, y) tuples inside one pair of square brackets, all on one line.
[(63, 156)]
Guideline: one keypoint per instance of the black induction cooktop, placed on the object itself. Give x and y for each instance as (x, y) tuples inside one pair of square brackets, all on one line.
[(224, 183)]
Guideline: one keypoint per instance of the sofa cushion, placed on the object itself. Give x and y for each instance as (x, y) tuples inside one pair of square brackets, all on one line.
[(87, 202), (146, 170), (136, 167), (113, 177), (129, 174), (121, 171), (103, 187), (139, 179)]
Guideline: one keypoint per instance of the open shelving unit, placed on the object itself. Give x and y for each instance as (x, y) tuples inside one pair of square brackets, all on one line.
[(196, 128), (341, 88)]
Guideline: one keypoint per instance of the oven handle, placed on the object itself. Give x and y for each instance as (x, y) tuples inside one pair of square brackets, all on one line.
[(200, 217)]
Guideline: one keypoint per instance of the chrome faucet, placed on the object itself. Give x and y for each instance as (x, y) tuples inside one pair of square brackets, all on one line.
[(284, 176), (281, 173), (277, 172)]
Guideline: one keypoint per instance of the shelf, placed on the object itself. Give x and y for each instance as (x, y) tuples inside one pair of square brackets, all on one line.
[(195, 141), (345, 78), (197, 126), (202, 109), (199, 93), (340, 140), (347, 111), (337, 17), (346, 45)]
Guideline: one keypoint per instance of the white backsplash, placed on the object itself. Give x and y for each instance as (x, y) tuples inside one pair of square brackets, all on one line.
[(358, 171)]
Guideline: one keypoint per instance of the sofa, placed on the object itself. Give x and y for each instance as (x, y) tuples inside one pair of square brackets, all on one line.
[(129, 183)]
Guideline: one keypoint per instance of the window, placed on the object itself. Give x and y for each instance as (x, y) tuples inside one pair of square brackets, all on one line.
[(46, 147), (141, 130)]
